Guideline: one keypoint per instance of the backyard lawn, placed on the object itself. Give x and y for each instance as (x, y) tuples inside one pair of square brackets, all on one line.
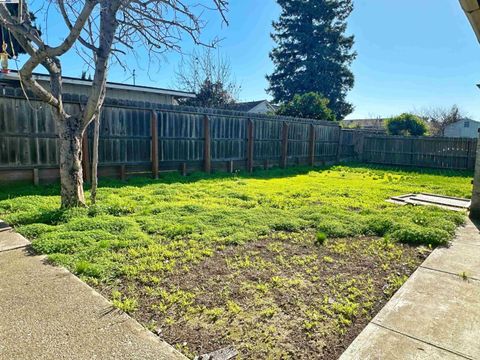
[(285, 264)]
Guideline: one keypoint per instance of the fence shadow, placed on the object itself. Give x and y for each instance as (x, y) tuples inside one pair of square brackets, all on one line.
[(12, 191), (409, 169), (24, 189)]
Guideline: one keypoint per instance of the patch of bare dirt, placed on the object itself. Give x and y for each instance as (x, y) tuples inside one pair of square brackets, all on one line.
[(281, 297)]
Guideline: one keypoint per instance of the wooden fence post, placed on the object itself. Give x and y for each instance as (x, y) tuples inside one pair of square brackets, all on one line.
[(411, 151), (86, 157), (36, 177), (283, 162), (361, 148), (471, 144), (154, 134), (123, 172), (207, 155), (340, 144), (250, 146), (311, 146)]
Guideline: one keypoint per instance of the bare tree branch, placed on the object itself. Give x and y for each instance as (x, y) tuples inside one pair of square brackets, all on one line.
[(209, 75), (108, 29)]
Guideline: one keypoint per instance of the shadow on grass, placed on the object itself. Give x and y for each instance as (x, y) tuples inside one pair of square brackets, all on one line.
[(22, 189)]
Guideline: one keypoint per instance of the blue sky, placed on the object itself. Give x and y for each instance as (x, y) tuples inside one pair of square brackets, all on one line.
[(412, 54)]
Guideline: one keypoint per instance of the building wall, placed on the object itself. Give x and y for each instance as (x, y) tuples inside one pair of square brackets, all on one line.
[(123, 94), (463, 128), (261, 108)]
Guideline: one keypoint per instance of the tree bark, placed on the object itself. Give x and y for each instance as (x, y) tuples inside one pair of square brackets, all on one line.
[(71, 175), (96, 135)]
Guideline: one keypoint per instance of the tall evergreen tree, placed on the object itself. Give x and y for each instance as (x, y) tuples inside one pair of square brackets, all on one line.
[(313, 54)]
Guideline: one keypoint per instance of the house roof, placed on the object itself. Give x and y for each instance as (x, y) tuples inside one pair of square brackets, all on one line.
[(14, 76), (462, 120), (247, 105)]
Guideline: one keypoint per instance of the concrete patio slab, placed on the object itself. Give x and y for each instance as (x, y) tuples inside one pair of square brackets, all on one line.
[(437, 307), (48, 313), (393, 346), (460, 259), (468, 234), (4, 226), (10, 240)]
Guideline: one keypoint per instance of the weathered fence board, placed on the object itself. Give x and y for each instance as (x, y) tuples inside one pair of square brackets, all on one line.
[(429, 152), (445, 153), (128, 142)]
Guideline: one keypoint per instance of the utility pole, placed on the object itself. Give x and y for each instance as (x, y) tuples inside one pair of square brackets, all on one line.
[(133, 74)]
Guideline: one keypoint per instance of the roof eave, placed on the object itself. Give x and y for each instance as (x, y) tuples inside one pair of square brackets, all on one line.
[(472, 11), (73, 81)]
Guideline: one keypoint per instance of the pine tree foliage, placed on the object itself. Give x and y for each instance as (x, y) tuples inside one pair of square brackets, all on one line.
[(313, 52)]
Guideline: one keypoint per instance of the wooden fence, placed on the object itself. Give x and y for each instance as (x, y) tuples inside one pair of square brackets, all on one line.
[(142, 138), (428, 152)]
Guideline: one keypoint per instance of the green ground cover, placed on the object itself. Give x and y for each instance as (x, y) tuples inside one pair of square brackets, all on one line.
[(283, 264)]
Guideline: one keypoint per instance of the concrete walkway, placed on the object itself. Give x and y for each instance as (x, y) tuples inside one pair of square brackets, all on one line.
[(48, 313), (435, 314)]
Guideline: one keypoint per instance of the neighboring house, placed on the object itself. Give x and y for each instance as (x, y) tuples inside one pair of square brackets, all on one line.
[(462, 128), (255, 107), (114, 90), (365, 124)]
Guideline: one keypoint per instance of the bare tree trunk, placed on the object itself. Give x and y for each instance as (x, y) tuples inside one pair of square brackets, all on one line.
[(96, 134), (71, 174)]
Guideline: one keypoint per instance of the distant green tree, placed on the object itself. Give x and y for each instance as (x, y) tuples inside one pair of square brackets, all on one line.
[(312, 52), (211, 94), (310, 105), (406, 124)]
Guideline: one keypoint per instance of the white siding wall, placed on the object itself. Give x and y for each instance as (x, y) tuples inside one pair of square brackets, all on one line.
[(261, 108), (459, 129), (120, 94)]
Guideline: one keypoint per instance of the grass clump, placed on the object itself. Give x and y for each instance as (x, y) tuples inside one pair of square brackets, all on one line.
[(84, 268), (320, 238), (414, 234), (121, 302)]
